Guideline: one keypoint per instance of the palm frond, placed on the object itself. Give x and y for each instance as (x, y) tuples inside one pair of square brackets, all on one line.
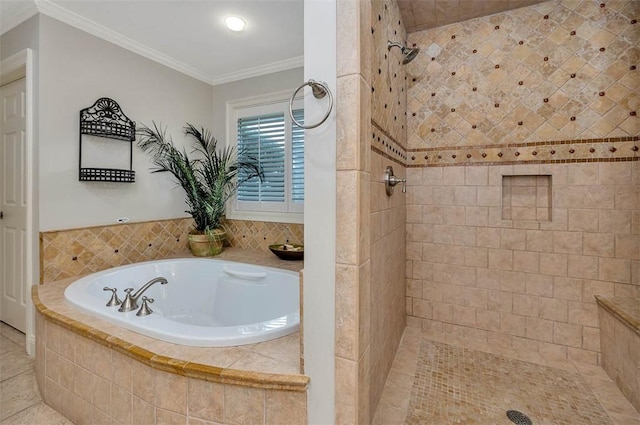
[(209, 180)]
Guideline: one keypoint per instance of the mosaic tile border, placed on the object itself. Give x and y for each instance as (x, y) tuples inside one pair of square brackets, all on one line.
[(387, 146), (550, 152)]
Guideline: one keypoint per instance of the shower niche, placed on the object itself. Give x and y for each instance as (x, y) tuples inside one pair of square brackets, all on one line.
[(103, 157), (526, 197)]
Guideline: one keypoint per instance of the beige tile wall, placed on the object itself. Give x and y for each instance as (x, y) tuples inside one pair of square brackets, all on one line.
[(353, 157), (371, 128), (557, 71), (526, 284), (477, 273), (76, 252), (387, 285), (90, 383), (364, 220), (526, 198)]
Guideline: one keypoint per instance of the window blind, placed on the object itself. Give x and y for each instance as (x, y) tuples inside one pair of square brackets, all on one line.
[(297, 158), (263, 137)]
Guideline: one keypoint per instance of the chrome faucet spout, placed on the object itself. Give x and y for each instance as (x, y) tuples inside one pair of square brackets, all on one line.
[(139, 292), (131, 300)]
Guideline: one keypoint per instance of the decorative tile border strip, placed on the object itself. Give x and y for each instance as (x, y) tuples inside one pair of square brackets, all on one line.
[(386, 145), (563, 151)]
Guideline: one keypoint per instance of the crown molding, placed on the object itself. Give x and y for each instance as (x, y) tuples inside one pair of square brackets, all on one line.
[(71, 18), (257, 71), (13, 16), (60, 13)]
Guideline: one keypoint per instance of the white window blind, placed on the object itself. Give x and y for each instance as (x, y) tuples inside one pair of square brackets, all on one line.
[(263, 138), (297, 158), (264, 131)]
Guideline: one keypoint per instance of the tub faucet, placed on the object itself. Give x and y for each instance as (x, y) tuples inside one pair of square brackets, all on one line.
[(131, 300)]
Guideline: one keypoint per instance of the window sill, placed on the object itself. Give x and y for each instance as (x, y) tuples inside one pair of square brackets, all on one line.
[(274, 217)]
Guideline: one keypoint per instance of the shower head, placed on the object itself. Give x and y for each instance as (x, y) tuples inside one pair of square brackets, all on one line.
[(408, 53)]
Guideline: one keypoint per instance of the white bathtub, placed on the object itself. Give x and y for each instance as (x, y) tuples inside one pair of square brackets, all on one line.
[(206, 302)]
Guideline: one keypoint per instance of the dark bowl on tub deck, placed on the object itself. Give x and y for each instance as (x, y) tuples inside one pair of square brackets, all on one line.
[(290, 252)]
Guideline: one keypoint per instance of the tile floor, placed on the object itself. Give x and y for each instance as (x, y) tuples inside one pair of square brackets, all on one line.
[(441, 384), (20, 402), (430, 383)]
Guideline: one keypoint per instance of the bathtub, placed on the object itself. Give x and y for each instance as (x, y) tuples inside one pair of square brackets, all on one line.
[(206, 302)]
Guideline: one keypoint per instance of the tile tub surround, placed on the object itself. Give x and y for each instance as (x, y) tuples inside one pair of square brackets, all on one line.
[(91, 370), (620, 343), (20, 401), (76, 252)]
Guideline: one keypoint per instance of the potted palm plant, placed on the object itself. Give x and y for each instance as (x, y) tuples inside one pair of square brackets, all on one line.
[(209, 179)]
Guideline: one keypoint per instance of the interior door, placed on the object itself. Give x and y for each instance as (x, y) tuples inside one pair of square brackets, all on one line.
[(13, 204)]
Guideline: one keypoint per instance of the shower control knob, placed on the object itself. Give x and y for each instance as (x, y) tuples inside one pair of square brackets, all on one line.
[(390, 180)]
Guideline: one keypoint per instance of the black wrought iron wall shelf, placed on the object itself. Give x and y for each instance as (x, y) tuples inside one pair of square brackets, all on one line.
[(105, 119)]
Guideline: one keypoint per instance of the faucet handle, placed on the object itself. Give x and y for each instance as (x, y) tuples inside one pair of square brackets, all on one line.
[(129, 303), (114, 301), (144, 308)]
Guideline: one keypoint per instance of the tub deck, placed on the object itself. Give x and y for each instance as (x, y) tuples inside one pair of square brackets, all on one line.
[(273, 364)]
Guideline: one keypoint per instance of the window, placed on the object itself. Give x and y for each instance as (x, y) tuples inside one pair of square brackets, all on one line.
[(261, 128)]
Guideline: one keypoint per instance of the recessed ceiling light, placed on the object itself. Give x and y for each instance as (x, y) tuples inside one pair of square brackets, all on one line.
[(235, 23)]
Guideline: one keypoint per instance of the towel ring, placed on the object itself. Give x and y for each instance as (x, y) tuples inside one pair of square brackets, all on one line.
[(320, 90)]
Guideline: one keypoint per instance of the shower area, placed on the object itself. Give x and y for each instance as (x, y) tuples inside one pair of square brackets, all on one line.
[(517, 134)]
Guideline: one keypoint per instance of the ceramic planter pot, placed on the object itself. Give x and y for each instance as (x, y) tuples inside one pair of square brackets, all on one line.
[(207, 245)]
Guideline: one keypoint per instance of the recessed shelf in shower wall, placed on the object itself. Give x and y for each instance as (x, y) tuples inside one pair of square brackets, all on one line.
[(105, 121), (526, 197)]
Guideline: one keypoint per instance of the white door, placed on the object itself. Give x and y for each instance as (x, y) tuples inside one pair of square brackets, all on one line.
[(13, 204)]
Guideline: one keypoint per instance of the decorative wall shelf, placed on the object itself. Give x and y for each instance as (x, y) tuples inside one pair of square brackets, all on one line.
[(105, 119)]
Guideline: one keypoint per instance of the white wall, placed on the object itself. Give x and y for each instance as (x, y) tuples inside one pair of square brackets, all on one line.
[(256, 86), (20, 37), (320, 213), (76, 69)]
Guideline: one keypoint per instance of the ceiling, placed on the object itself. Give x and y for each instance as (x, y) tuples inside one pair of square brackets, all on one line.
[(419, 15), (190, 36)]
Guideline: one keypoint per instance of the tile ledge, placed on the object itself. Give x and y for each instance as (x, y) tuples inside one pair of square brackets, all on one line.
[(618, 307)]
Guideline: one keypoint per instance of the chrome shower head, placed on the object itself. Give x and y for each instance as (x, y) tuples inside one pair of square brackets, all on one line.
[(408, 53)]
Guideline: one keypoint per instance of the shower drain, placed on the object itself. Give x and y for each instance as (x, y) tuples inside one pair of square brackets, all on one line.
[(518, 418)]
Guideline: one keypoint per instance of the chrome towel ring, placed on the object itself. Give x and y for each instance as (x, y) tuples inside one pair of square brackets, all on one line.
[(320, 90)]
